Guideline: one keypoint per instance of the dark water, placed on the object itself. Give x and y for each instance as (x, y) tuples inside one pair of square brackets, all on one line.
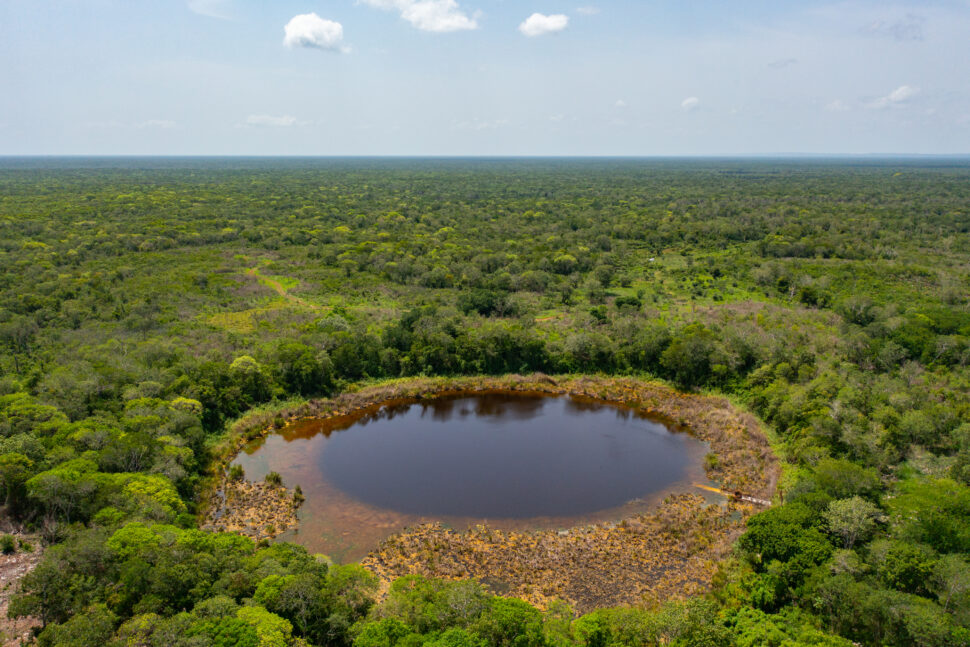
[(513, 460), (504, 457)]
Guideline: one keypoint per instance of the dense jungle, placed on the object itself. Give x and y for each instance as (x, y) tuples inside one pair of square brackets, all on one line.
[(149, 306)]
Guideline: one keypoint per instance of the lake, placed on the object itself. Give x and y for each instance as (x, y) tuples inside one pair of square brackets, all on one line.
[(510, 460)]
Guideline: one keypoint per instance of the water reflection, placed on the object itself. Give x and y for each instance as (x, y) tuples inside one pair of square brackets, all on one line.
[(514, 461)]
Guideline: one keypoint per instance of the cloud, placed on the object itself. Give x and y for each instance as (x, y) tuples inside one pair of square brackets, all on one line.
[(837, 106), (620, 103), (588, 11), (690, 104), (269, 121), (429, 15), (310, 30), (900, 95), (211, 8), (538, 24), (909, 28)]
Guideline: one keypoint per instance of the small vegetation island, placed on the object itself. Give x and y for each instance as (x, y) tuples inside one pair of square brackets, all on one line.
[(808, 319)]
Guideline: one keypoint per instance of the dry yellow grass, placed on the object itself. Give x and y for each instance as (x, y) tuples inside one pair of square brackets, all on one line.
[(257, 510)]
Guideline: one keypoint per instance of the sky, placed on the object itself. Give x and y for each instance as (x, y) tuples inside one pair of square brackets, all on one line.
[(484, 77)]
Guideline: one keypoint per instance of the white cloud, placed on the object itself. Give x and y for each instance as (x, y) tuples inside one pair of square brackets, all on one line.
[(620, 103), (538, 24), (271, 121), (588, 11), (429, 15), (690, 103), (210, 8), (837, 106), (310, 30), (900, 95)]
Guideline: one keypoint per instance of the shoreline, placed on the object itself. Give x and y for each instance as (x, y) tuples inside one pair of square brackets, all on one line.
[(670, 552)]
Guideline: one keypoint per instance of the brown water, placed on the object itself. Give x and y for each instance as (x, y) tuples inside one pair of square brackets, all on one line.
[(514, 461)]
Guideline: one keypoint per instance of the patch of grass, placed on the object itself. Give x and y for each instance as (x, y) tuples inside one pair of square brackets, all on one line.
[(243, 322), (286, 282)]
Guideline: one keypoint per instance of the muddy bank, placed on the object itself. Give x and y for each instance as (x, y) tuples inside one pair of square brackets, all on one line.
[(667, 553)]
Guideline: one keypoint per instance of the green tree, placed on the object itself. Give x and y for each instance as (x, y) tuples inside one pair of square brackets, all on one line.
[(688, 358), (853, 519), (95, 626), (385, 632), (903, 566), (457, 637), (45, 594), (841, 478), (510, 623), (950, 582), (694, 623), (15, 469), (271, 630), (933, 511)]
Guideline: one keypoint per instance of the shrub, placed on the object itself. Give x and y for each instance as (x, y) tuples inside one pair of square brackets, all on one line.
[(274, 478)]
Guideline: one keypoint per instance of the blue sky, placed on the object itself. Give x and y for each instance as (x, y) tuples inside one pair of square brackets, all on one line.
[(483, 77)]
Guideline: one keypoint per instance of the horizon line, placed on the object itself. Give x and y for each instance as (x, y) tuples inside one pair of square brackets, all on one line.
[(779, 155)]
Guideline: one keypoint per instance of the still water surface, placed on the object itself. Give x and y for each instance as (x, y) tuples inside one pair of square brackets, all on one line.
[(510, 460)]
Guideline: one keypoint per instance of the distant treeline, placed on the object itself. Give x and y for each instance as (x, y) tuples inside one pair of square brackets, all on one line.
[(144, 306)]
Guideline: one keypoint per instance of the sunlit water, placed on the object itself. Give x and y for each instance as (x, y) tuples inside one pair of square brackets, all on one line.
[(513, 461)]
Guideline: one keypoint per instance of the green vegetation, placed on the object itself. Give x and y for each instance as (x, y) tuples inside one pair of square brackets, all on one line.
[(146, 303), (8, 544)]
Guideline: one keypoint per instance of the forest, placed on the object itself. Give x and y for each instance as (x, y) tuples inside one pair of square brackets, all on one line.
[(147, 304)]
